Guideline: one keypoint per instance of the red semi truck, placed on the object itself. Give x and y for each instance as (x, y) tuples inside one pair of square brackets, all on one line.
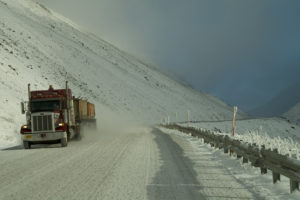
[(54, 116)]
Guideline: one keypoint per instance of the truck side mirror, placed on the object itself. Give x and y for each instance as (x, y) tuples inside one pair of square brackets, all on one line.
[(22, 108)]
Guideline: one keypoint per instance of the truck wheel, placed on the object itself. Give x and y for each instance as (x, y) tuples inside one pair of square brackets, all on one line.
[(27, 145), (77, 133), (68, 135), (64, 142)]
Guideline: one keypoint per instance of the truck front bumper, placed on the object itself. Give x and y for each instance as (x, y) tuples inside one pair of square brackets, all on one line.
[(43, 137)]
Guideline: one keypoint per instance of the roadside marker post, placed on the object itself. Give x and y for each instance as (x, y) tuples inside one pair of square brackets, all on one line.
[(235, 109), (188, 118)]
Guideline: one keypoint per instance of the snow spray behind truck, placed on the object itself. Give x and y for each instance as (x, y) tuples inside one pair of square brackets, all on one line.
[(54, 116)]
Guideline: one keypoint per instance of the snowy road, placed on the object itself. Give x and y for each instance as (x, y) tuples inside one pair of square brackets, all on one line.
[(140, 164)]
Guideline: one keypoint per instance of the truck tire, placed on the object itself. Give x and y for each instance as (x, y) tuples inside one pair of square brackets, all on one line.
[(77, 132), (68, 133), (26, 144), (64, 142)]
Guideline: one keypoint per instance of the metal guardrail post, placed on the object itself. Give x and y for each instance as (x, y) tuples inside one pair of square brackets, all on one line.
[(245, 160), (263, 170), (294, 185), (226, 148), (276, 177)]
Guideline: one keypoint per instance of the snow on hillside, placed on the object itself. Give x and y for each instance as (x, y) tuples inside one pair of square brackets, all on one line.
[(274, 127), (293, 114), (40, 47), (271, 132)]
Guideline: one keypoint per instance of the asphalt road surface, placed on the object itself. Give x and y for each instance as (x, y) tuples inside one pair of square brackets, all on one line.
[(138, 164)]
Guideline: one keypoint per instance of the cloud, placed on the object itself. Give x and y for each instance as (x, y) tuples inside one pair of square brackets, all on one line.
[(232, 47)]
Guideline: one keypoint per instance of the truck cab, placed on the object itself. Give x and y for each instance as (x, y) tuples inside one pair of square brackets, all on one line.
[(50, 117)]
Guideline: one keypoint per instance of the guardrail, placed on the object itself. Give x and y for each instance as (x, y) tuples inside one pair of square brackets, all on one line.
[(230, 120), (258, 156)]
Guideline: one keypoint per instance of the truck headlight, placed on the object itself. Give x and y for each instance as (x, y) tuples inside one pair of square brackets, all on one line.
[(61, 127), (25, 129)]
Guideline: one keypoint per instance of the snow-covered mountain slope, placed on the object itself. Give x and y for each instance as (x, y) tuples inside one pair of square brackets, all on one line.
[(293, 114), (40, 47)]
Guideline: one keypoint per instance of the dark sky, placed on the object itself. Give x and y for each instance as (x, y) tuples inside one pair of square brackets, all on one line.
[(243, 51)]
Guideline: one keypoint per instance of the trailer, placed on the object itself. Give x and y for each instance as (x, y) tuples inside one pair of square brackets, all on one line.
[(54, 116), (84, 112)]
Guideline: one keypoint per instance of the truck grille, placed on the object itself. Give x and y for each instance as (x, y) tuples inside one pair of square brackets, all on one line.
[(42, 123)]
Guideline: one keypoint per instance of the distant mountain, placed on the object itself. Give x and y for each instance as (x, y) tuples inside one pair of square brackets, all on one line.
[(280, 104), (294, 113)]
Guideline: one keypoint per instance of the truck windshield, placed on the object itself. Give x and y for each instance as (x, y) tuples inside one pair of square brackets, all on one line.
[(38, 106)]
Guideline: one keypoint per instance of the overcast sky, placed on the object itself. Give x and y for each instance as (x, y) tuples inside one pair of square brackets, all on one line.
[(243, 51)]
